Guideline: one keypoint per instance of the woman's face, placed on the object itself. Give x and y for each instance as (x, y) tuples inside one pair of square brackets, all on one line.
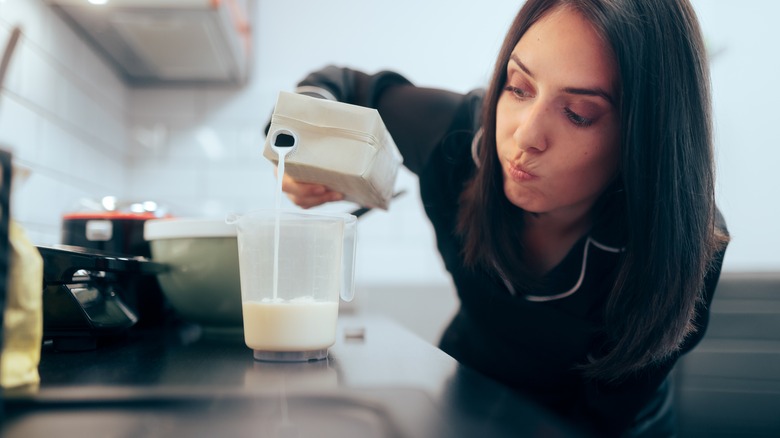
[(557, 127)]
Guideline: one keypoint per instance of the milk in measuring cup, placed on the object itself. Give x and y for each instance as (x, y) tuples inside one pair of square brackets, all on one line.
[(298, 325)]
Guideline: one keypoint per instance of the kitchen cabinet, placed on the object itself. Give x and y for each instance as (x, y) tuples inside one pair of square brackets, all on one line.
[(379, 380)]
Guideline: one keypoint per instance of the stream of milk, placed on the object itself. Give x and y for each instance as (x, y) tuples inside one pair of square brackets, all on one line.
[(282, 152)]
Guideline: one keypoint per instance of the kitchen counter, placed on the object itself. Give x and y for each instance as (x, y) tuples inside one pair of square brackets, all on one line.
[(380, 380)]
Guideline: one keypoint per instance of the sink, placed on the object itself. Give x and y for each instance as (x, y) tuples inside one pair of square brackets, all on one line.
[(131, 412)]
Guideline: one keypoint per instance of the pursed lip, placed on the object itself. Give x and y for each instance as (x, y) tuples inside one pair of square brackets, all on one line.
[(518, 173)]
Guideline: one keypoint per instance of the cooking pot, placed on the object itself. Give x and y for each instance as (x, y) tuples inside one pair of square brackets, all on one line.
[(202, 283), (110, 231)]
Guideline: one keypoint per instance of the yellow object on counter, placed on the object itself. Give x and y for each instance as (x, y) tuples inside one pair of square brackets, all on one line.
[(23, 318)]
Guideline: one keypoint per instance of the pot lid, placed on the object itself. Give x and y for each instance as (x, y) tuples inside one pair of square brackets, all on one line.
[(108, 215)]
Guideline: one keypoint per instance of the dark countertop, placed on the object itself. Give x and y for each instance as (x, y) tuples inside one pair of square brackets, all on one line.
[(379, 380)]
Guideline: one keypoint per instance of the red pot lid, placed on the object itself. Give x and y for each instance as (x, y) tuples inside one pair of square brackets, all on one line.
[(109, 215)]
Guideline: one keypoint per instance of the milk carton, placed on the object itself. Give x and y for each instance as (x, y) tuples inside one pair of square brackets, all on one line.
[(345, 147)]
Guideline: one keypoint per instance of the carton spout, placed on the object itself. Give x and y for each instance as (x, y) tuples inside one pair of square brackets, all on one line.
[(283, 141)]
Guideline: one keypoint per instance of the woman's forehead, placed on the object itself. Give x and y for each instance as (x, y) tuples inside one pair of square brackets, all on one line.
[(563, 46)]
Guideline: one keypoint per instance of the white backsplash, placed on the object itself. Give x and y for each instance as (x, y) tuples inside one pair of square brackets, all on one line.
[(62, 114), (83, 133)]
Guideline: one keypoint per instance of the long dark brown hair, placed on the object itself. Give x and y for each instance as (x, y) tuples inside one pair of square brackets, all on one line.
[(666, 182)]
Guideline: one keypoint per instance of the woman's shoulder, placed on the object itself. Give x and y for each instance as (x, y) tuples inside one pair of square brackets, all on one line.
[(452, 162), (464, 134)]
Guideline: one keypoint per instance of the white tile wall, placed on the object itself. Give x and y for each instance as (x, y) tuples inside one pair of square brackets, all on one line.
[(62, 114), (196, 150), (205, 159)]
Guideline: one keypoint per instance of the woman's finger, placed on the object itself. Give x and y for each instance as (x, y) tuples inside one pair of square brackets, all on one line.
[(307, 195)]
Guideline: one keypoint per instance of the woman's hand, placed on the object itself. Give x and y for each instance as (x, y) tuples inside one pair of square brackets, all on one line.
[(308, 195)]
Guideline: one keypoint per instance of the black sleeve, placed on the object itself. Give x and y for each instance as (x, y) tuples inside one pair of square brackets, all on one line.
[(417, 118)]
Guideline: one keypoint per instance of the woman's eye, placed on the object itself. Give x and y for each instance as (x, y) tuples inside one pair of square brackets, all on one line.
[(517, 91), (577, 119)]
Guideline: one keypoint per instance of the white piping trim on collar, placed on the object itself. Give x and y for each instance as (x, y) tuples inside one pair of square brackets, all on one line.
[(603, 247), (501, 275), (543, 298), (319, 91), (475, 147)]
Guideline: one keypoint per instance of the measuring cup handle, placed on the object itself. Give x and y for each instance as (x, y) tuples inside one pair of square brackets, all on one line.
[(348, 258)]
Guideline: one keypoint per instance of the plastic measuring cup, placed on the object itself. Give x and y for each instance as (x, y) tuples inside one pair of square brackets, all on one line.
[(290, 291)]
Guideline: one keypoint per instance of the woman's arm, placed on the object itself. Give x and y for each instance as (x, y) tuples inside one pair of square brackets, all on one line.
[(417, 118)]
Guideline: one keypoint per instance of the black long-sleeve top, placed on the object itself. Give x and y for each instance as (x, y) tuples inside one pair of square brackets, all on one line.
[(530, 342)]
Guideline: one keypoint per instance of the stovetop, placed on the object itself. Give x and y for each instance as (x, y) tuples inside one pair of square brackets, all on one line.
[(83, 290)]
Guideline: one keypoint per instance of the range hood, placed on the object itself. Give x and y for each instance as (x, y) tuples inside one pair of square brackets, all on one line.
[(166, 41)]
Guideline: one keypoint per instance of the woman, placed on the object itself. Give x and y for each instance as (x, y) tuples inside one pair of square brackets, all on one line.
[(573, 203)]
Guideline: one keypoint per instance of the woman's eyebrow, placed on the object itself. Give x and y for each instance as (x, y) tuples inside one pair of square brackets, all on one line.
[(591, 91), (595, 91), (522, 66)]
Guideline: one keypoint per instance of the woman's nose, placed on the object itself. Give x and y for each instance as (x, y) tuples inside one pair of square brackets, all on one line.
[(531, 133)]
